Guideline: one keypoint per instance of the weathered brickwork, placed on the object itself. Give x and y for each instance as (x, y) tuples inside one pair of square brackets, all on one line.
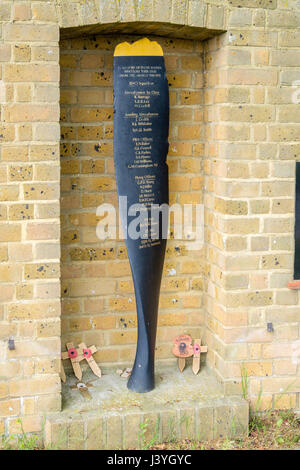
[(120, 430), (104, 312), (252, 131), (234, 142), (29, 221)]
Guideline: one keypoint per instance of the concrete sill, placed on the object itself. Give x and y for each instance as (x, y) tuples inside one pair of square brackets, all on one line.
[(294, 285)]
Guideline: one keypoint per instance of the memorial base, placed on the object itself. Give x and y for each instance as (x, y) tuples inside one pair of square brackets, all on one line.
[(141, 383), (182, 406)]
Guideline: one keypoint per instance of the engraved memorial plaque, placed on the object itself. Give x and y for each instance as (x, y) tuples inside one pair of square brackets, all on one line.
[(141, 127)]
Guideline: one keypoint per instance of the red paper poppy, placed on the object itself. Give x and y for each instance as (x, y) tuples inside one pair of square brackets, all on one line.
[(197, 349), (87, 353), (72, 353)]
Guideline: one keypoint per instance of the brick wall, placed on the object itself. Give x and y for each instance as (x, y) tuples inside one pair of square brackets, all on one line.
[(251, 134), (29, 222), (98, 297), (252, 131)]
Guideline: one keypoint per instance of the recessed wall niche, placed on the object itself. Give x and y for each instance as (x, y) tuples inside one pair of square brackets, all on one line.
[(98, 304)]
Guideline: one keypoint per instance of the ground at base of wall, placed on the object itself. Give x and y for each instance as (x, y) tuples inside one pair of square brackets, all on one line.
[(273, 430), (182, 406)]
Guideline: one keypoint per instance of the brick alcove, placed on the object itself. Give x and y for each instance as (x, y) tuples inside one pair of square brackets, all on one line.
[(98, 300), (247, 181)]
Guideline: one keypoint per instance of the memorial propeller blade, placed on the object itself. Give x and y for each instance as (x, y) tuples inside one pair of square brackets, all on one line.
[(141, 128)]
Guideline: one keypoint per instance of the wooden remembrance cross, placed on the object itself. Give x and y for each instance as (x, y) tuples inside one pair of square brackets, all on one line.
[(78, 355), (73, 354), (198, 349), (183, 348), (141, 128), (87, 354)]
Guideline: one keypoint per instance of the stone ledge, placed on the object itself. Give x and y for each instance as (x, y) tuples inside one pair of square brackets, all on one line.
[(182, 406), (223, 419)]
